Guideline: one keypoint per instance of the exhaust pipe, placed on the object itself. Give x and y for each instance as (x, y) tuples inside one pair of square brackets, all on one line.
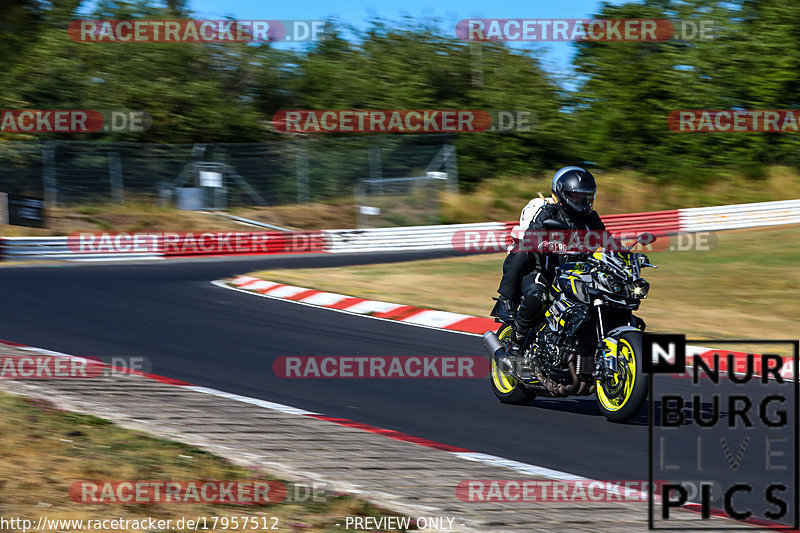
[(493, 344)]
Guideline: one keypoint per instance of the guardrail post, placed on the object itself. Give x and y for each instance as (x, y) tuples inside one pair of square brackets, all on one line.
[(49, 174), (115, 176), (360, 197), (375, 167), (451, 167), (3, 208), (301, 169)]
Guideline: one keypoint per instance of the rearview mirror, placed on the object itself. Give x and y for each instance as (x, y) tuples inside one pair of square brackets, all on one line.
[(646, 238)]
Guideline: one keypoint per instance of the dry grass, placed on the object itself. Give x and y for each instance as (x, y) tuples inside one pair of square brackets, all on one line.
[(497, 199), (462, 284), (147, 217), (314, 216), (44, 450), (745, 287), (134, 217), (620, 192)]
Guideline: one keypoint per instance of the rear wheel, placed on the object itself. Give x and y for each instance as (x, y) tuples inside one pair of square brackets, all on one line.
[(505, 387), (621, 396)]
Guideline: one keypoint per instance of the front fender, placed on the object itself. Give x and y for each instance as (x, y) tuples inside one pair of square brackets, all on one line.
[(616, 333), (611, 338)]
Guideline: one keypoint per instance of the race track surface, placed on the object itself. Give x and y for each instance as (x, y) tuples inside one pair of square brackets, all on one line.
[(191, 330)]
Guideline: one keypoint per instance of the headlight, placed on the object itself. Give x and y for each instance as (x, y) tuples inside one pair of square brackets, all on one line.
[(640, 288), (608, 283)]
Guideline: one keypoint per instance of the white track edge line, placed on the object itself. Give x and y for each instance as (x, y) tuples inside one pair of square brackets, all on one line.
[(283, 408), (487, 459), (479, 457), (224, 285), (484, 458)]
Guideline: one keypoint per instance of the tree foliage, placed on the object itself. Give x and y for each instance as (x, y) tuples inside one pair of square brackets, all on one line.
[(613, 113)]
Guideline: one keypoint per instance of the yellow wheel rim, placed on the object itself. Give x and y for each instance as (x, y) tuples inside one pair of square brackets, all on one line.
[(503, 382), (625, 351)]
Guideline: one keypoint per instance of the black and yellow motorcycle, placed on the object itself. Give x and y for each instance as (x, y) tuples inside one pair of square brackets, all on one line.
[(588, 340)]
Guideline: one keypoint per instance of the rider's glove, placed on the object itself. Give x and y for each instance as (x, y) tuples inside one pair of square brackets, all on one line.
[(552, 247)]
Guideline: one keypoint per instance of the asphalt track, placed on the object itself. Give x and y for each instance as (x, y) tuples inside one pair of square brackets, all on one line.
[(191, 330)]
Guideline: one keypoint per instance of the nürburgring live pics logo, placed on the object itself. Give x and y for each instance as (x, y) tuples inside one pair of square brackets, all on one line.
[(724, 436)]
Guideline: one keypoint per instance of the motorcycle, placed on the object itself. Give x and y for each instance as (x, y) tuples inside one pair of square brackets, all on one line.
[(587, 342)]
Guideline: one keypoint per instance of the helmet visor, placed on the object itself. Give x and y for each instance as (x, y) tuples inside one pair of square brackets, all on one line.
[(580, 201)]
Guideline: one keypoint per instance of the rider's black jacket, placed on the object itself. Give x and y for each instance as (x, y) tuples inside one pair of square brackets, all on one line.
[(519, 264)]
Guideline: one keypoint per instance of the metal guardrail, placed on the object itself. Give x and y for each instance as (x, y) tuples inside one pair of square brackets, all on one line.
[(657, 222), (740, 216), (441, 237), (407, 238), (56, 248)]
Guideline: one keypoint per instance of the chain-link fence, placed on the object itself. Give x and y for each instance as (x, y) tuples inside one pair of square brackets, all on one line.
[(271, 173), (409, 200)]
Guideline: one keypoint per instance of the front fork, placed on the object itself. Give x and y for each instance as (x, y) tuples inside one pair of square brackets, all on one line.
[(608, 364)]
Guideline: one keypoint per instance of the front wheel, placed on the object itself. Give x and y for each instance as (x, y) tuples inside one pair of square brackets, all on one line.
[(504, 386), (621, 396)]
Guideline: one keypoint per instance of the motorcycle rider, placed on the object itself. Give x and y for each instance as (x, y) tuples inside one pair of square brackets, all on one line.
[(527, 275)]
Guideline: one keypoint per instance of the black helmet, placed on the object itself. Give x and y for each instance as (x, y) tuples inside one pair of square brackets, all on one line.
[(575, 189)]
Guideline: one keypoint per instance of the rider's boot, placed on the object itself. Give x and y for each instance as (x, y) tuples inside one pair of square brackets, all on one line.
[(505, 309), (515, 341), (528, 313)]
